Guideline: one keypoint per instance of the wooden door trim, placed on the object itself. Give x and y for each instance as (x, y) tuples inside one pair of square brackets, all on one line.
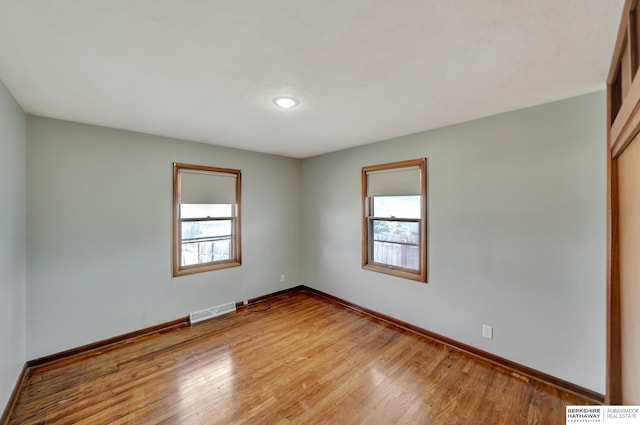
[(623, 126), (613, 394)]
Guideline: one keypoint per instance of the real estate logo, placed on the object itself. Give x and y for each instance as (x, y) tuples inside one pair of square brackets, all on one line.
[(603, 414)]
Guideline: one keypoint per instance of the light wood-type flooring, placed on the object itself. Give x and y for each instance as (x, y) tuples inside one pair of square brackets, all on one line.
[(293, 359)]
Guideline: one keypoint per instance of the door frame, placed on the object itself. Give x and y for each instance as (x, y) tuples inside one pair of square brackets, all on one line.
[(623, 125)]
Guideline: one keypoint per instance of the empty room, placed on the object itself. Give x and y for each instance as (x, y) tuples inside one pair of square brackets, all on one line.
[(297, 212)]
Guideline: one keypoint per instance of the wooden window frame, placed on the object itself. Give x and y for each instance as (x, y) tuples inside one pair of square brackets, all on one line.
[(419, 275), (236, 240)]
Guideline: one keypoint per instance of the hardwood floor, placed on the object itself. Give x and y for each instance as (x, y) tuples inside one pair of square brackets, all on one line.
[(294, 359)]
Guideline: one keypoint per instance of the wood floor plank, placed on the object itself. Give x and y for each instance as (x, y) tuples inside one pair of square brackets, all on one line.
[(294, 359)]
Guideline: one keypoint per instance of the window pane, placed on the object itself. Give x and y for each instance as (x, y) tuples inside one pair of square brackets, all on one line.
[(206, 229), (396, 206), (205, 210), (396, 243), (206, 252), (396, 231), (393, 254)]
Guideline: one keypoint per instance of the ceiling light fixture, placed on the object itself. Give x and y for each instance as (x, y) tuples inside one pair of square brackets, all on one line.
[(285, 102)]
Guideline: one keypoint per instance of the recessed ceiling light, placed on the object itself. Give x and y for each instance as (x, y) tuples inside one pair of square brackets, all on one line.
[(285, 102)]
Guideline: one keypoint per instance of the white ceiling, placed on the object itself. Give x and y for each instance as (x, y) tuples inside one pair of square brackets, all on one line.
[(364, 70)]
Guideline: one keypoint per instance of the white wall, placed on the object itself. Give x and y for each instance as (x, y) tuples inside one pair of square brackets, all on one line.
[(99, 232), (13, 142), (516, 210)]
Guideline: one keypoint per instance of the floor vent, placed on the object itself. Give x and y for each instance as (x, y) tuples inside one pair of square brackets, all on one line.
[(210, 313)]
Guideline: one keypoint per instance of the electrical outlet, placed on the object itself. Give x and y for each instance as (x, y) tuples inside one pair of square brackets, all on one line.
[(282, 277), (487, 331)]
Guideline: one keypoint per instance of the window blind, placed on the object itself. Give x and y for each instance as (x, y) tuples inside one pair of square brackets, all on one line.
[(207, 188), (395, 182)]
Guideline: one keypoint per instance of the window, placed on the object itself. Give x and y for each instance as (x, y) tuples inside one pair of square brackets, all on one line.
[(206, 223), (394, 225)]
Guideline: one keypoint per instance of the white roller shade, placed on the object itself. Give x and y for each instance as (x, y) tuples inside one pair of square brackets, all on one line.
[(395, 182), (199, 187)]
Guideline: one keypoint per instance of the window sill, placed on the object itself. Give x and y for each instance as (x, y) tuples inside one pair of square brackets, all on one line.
[(187, 270), (397, 272)]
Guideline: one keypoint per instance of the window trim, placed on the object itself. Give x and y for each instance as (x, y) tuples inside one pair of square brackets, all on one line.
[(236, 240), (367, 223)]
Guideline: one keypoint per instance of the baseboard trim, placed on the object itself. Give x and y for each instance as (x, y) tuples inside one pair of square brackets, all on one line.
[(241, 304), (73, 353), (492, 358), (6, 414), (102, 344), (161, 328)]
